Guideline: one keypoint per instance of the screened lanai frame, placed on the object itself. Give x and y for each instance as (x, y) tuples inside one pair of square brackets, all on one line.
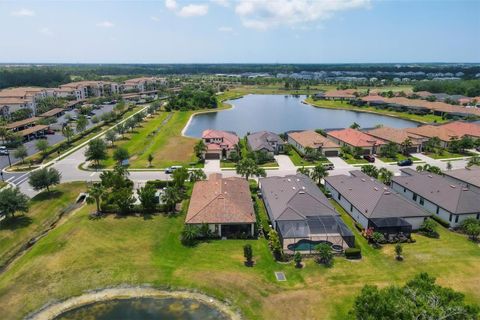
[(315, 228)]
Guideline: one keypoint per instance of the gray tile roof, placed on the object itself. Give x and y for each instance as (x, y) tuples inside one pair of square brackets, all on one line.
[(294, 197), (470, 175), (373, 198), (263, 140), (449, 195)]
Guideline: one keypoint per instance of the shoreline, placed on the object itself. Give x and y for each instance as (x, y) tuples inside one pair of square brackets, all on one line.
[(50, 311), (230, 106), (364, 111)]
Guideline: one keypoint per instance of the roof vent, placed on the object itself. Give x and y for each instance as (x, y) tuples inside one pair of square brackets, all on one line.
[(376, 189), (430, 176), (304, 188), (465, 189), (298, 180), (387, 192), (363, 180), (289, 179), (293, 188), (301, 192), (452, 186)]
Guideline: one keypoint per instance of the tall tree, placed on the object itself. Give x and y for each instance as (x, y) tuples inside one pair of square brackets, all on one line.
[(171, 197), (21, 152), (82, 123), (120, 154), (318, 173), (44, 178), (96, 151), (200, 149), (42, 147), (68, 133), (95, 193), (111, 136), (385, 175), (147, 198), (406, 145), (197, 175), (355, 126), (12, 200)]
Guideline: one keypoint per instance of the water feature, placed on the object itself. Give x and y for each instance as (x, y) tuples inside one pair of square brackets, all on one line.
[(145, 309), (280, 113)]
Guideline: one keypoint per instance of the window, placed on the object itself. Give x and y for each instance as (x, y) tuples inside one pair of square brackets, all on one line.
[(421, 201), (478, 216), (351, 207), (450, 218), (414, 197), (339, 197), (456, 218), (404, 189), (438, 209)]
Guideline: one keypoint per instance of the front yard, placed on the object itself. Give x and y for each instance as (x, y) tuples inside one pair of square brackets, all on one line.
[(399, 157), (299, 161), (352, 160), (445, 154), (84, 254)]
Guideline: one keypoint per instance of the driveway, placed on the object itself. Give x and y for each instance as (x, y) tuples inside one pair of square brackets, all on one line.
[(212, 166), (339, 163), (284, 163)]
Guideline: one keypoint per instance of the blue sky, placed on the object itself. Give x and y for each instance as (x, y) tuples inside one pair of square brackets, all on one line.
[(243, 31)]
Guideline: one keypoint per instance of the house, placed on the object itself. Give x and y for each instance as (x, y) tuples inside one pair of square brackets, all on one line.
[(429, 131), (265, 141), (374, 205), (399, 136), (468, 177), (219, 143), (453, 202), (301, 214), (348, 94), (354, 138), (311, 139), (460, 129), (224, 204)]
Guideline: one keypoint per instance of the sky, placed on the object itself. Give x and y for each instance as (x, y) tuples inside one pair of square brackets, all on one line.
[(241, 31)]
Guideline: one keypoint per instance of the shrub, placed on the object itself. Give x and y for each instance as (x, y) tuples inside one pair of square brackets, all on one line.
[(444, 223), (353, 253), (429, 228), (158, 184), (248, 254), (298, 259)]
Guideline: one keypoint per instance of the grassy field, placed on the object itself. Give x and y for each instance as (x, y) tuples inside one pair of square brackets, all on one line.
[(44, 208), (84, 254), (430, 118)]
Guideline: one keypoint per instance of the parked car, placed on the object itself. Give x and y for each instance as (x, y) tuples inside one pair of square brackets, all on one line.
[(369, 158), (171, 169), (3, 151), (329, 166), (405, 162), (49, 131)]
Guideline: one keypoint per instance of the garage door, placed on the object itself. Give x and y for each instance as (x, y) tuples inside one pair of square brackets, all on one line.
[(331, 153), (212, 156), (412, 150)]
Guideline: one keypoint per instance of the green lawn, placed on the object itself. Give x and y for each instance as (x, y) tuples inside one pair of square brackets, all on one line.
[(330, 104), (44, 208), (348, 158), (400, 156), (298, 161), (446, 155), (83, 254)]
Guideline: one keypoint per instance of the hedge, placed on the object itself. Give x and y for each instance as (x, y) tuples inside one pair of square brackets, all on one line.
[(158, 184), (353, 253), (444, 223)]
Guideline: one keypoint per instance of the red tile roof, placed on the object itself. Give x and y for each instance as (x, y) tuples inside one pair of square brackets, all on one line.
[(312, 139), (395, 135), (356, 138), (229, 139), (221, 200), (463, 128)]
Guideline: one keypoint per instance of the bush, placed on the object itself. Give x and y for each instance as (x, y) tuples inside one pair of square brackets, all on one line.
[(444, 223), (158, 184), (353, 253)]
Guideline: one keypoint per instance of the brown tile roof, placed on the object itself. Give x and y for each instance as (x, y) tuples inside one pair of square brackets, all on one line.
[(395, 135), (220, 200), (312, 139), (52, 112), (463, 128), (348, 93), (138, 80), (430, 131), (21, 123), (10, 101), (20, 92), (355, 138), (230, 139)]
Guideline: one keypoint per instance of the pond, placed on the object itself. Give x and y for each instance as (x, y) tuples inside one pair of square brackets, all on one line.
[(145, 309), (278, 113)]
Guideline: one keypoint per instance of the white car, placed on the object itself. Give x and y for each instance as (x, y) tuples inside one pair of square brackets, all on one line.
[(3, 151)]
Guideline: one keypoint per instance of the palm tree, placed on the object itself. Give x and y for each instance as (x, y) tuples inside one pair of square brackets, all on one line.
[(190, 234), (68, 133), (304, 171), (370, 170), (406, 145), (247, 167), (385, 175), (197, 175), (95, 193), (171, 197), (318, 173), (200, 149), (150, 159)]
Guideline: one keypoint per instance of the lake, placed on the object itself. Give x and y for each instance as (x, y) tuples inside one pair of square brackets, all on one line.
[(145, 309), (278, 113)]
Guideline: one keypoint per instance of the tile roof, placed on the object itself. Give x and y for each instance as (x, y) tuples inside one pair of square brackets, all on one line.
[(355, 138), (470, 175), (312, 139), (373, 198), (395, 135), (453, 197), (430, 131), (221, 200), (35, 128), (264, 140), (294, 197), (52, 112), (463, 128), (348, 93), (15, 101), (230, 139), (21, 123)]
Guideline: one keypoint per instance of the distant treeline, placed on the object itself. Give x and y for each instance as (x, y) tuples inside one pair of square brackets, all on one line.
[(43, 77), (469, 88)]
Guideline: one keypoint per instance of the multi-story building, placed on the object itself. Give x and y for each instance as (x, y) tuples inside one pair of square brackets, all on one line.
[(14, 99), (88, 89), (142, 84)]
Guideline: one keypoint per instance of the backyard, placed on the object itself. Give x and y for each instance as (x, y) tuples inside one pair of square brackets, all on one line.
[(102, 252)]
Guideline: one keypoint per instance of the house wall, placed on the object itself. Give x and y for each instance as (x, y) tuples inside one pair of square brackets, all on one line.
[(433, 208), (347, 206), (296, 145), (367, 150)]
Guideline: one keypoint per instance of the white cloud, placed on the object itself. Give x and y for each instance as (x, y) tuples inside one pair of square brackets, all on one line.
[(154, 18), (46, 31), (105, 24), (171, 4), (23, 13), (193, 10), (223, 3), (265, 14), (225, 29)]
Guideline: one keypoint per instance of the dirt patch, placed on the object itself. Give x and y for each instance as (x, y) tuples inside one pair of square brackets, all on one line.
[(51, 311)]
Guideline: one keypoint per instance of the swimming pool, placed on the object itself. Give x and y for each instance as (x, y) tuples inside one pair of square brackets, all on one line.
[(306, 245)]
